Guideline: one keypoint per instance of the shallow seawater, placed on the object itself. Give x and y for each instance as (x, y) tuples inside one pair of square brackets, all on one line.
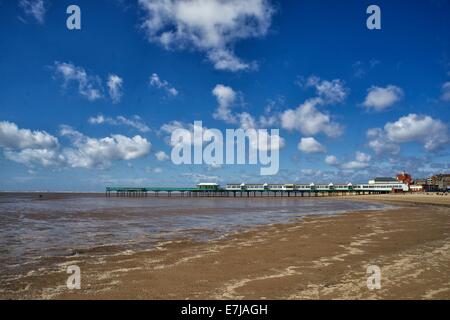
[(32, 229)]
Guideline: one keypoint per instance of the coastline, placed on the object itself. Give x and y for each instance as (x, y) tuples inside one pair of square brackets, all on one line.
[(321, 257)]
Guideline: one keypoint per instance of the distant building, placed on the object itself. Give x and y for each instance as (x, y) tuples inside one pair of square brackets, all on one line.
[(208, 186), (416, 188), (438, 182), (388, 183), (442, 181), (383, 180), (423, 184), (405, 178), (432, 181), (420, 182)]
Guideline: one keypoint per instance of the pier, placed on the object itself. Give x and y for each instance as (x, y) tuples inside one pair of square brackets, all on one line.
[(258, 190)]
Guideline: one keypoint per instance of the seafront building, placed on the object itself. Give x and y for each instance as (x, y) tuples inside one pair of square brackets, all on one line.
[(439, 182)]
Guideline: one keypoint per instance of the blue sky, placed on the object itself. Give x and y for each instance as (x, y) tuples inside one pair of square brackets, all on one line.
[(82, 109)]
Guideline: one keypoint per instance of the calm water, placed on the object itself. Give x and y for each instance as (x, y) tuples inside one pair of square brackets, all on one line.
[(32, 229)]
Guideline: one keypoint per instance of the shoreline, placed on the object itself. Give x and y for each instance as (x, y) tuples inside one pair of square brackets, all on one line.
[(320, 257), (414, 198)]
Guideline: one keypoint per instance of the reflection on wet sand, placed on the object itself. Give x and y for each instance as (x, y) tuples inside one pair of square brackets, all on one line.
[(265, 253)]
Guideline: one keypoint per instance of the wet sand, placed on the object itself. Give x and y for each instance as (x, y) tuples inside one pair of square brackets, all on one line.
[(322, 257)]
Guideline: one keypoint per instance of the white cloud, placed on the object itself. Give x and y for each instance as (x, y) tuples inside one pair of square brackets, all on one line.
[(362, 157), (87, 152), (226, 97), (157, 170), (333, 91), (161, 156), (31, 157), (11, 137), (115, 84), (247, 121), (156, 82), (361, 162), (200, 177), (264, 142), (310, 145), (431, 132), (226, 60), (310, 121), (331, 160), (40, 148), (446, 92), (379, 98), (100, 119), (268, 120), (354, 165), (170, 127), (28, 147), (34, 8), (267, 142), (88, 86), (210, 26), (379, 142), (135, 122)]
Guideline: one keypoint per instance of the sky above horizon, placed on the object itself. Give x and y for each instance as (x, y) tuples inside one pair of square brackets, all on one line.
[(82, 109)]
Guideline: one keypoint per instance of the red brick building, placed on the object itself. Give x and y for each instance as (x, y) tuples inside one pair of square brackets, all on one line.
[(405, 178)]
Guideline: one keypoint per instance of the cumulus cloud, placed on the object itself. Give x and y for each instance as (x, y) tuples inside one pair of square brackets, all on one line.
[(310, 145), (88, 86), (87, 152), (379, 98), (209, 26), (155, 81), (432, 133), (188, 130), (309, 120), (333, 91), (28, 147), (34, 8), (135, 122), (265, 141), (31, 157), (379, 142), (161, 156), (11, 137), (361, 161), (446, 92), (226, 97), (331, 160), (40, 148), (115, 87)]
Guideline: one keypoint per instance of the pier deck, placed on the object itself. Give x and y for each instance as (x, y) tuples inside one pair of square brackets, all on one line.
[(197, 192)]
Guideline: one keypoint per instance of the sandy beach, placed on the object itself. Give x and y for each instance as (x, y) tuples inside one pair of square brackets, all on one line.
[(323, 257)]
